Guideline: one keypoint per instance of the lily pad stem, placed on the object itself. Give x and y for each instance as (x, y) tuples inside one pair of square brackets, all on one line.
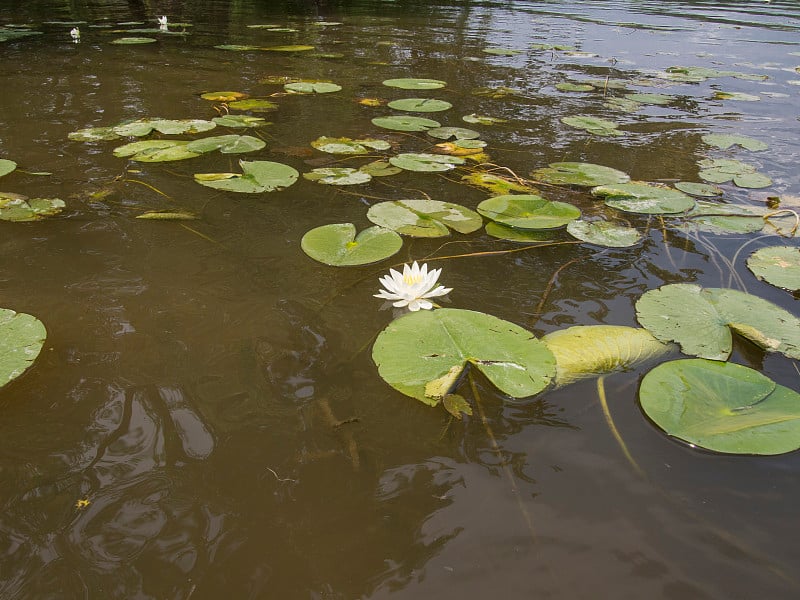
[(601, 393)]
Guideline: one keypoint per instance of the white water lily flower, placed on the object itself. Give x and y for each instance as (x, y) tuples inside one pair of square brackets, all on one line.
[(162, 20), (75, 33), (412, 287)]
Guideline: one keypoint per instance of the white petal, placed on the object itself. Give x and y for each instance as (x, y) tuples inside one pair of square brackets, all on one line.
[(413, 306), (401, 304), (440, 291), (425, 305)]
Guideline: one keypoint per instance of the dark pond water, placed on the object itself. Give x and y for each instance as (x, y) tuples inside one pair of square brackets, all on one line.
[(205, 419)]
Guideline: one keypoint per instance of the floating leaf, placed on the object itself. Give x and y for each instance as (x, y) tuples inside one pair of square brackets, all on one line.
[(739, 96), (380, 168), (502, 51), (338, 176), (726, 218), (21, 339), (6, 166), (567, 86), (723, 407), (593, 125), (511, 234), (497, 184), (223, 96), (420, 105), (142, 127), (290, 48), (658, 99), (461, 148), (482, 119), (580, 174), (338, 244), (551, 47), (422, 162), (752, 180), (622, 104), (238, 47), (157, 215), (239, 121), (20, 209), (253, 104), (256, 177), (127, 41), (587, 351), (94, 134), (720, 170), (226, 144), (459, 133), (424, 218), (723, 141), (698, 189), (420, 348), (528, 211), (404, 123), (309, 87), (603, 233), (644, 198), (778, 265), (699, 319), (156, 151), (346, 145), (415, 84)]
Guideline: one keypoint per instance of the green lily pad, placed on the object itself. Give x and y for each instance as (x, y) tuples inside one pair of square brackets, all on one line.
[(603, 233), (752, 180), (512, 234), (253, 104), (723, 141), (703, 190), (346, 145), (160, 215), (338, 176), (239, 121), (380, 168), (458, 133), (778, 265), (142, 127), (497, 184), (595, 125), (726, 218), (644, 198), (155, 151), (657, 99), (567, 86), (405, 123), (20, 209), (482, 119), (308, 87), (257, 176), (226, 144), (723, 407), (625, 105), (237, 47), (21, 339), (7, 34), (502, 51), (130, 41), (225, 96), (289, 48), (423, 354), (94, 134), (720, 170), (528, 211), (551, 47), (701, 320), (339, 246), (424, 218), (6, 166), (411, 83), (422, 162), (420, 105), (580, 174), (586, 351), (739, 96)]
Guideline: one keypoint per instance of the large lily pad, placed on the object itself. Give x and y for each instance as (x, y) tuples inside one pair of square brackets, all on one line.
[(587, 351), (603, 233), (658, 99), (312, 87), (404, 123), (338, 176), (257, 176), (409, 83), (528, 211), (522, 236), (644, 198), (595, 125), (502, 51), (142, 127), (723, 141), (579, 174), (423, 354), (424, 218), (346, 145), (21, 339), (19, 208), (723, 407), (725, 218), (226, 144), (701, 320), (239, 121), (426, 163), (778, 265), (459, 133), (704, 190), (420, 105), (338, 244), (156, 151), (133, 41), (720, 170), (6, 166)]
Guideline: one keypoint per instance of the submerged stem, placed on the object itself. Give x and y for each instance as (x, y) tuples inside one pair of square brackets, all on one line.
[(601, 393)]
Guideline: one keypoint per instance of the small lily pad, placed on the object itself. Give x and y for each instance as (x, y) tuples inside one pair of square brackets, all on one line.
[(528, 211), (6, 166), (497, 184), (603, 233), (482, 119), (502, 51), (308, 87), (644, 198), (739, 96), (657, 99), (720, 170), (723, 141), (253, 104), (290, 48), (424, 218), (704, 190), (239, 121), (625, 105), (725, 218), (238, 47), (595, 125), (458, 133), (567, 86), (339, 246), (778, 265), (156, 151), (346, 145), (257, 177), (159, 215), (20, 209), (723, 407), (410, 83), (338, 176), (380, 168), (420, 105), (422, 162), (226, 144), (752, 180), (94, 134), (579, 174), (405, 123), (142, 127), (129, 41), (21, 339), (223, 96)]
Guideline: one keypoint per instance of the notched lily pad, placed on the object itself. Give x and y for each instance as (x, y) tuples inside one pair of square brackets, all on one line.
[(257, 177), (346, 145), (579, 174), (420, 105), (778, 265), (19, 208), (482, 119), (603, 233), (339, 246), (644, 198), (21, 339), (226, 144), (528, 211), (155, 151), (497, 184), (595, 125), (422, 162), (338, 176), (723, 141), (424, 218), (405, 123), (239, 121)]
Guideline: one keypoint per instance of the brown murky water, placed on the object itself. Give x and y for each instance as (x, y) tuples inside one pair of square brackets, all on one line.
[(206, 421)]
